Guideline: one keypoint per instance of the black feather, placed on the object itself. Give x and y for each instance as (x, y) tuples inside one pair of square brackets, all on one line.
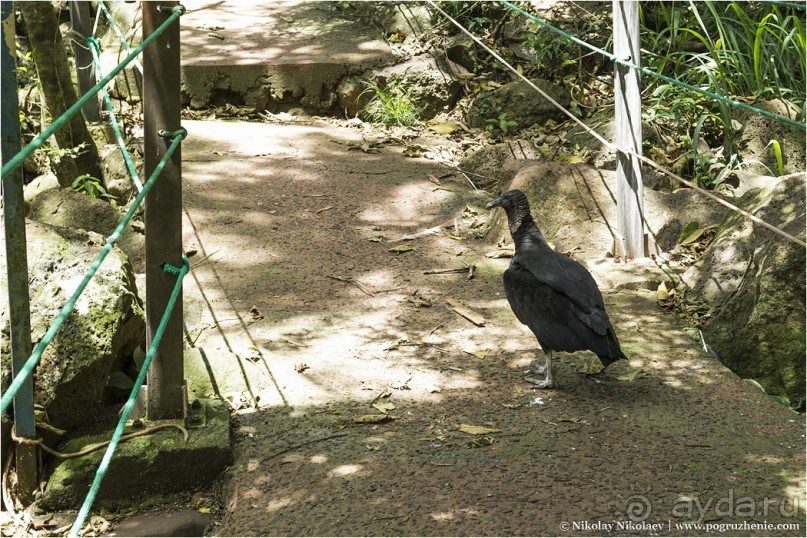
[(552, 294)]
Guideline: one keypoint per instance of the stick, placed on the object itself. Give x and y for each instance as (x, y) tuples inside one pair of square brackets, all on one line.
[(350, 280), (471, 316), (445, 271)]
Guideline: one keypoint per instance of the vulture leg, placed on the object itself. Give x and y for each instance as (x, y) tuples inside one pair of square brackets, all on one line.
[(542, 369)]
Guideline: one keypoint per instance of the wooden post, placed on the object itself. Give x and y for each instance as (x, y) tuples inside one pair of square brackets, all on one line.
[(163, 212), (628, 131), (85, 67), (16, 260)]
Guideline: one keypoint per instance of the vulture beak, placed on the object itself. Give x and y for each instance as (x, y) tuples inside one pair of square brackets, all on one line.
[(493, 203)]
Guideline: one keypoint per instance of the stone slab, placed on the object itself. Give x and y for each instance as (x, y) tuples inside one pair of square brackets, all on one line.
[(154, 464)]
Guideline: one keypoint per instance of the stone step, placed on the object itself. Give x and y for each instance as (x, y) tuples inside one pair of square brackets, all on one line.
[(274, 55)]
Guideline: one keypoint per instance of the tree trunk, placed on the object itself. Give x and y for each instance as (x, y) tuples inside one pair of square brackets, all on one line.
[(50, 57)]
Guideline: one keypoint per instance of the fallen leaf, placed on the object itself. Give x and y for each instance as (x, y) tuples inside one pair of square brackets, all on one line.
[(384, 407), (444, 128), (662, 293), (402, 248), (301, 367), (256, 314), (377, 239), (434, 179), (477, 430), (633, 376)]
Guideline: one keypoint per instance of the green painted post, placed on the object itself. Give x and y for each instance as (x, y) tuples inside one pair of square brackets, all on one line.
[(16, 260), (163, 216)]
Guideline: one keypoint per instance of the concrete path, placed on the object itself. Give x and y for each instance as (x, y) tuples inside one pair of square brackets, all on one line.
[(302, 318)]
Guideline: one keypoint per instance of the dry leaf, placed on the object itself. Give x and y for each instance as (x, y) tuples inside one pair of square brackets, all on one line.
[(402, 248), (384, 407), (477, 430), (662, 293), (633, 376)]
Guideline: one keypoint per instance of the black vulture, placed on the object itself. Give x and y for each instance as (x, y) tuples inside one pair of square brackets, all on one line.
[(552, 294)]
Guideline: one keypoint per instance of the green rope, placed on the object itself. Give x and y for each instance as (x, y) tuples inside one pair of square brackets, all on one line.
[(626, 63), (32, 361), (141, 377), (121, 37), (95, 48), (37, 142)]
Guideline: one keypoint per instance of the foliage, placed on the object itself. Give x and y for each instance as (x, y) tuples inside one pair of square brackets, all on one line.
[(753, 50), (499, 124), (90, 186), (390, 105)]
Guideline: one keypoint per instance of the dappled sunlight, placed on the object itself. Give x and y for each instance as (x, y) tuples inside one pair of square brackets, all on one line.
[(345, 470)]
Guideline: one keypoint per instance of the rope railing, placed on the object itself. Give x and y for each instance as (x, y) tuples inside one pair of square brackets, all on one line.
[(95, 48), (613, 146), (33, 360), (180, 272), (37, 142), (627, 63)]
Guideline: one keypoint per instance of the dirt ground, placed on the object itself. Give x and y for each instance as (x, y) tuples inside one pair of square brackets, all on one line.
[(304, 319)]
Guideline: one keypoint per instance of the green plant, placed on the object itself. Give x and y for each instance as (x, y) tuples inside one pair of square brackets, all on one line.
[(90, 186), (499, 124), (390, 105), (733, 49)]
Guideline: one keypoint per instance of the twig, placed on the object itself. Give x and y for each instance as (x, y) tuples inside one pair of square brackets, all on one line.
[(306, 443), (432, 331), (295, 344), (351, 280), (445, 271), (326, 208), (470, 315)]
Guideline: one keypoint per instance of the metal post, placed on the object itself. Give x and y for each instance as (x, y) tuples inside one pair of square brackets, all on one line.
[(628, 131), (85, 67), (161, 112), (16, 260)]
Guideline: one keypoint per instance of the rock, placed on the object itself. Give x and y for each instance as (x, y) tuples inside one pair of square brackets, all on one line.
[(520, 103), (156, 464), (351, 96), (184, 523), (117, 178), (488, 163), (431, 88), (755, 280), (757, 132), (102, 331), (129, 18), (69, 209), (36, 187), (575, 205)]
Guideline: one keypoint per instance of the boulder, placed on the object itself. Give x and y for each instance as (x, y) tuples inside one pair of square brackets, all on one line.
[(102, 331), (117, 179), (755, 281), (129, 18), (69, 209), (756, 133), (574, 205), (488, 163), (431, 88), (519, 102)]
